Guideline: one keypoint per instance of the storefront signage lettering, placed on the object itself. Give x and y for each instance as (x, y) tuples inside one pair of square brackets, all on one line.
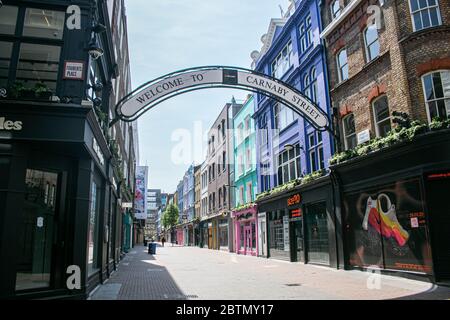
[(296, 213), (438, 176), (10, 125), (126, 205), (98, 151), (286, 233), (158, 90), (73, 70), (295, 199)]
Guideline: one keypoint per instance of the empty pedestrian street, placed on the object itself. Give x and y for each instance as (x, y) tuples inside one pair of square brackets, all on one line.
[(178, 273)]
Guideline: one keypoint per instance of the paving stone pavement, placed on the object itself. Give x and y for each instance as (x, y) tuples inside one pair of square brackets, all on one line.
[(180, 273)]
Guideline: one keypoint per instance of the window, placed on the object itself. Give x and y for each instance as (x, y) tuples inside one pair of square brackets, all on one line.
[(372, 43), (335, 8), (44, 23), (282, 62), (381, 116), (310, 85), (5, 61), (425, 14), (249, 192), (289, 165), (349, 131), (95, 77), (342, 64), (38, 63), (305, 34), (241, 195), (436, 87), (8, 19), (220, 197), (240, 133), (223, 130), (284, 116), (240, 165), (224, 195), (247, 126), (315, 151), (248, 159), (263, 131), (265, 176), (224, 160)]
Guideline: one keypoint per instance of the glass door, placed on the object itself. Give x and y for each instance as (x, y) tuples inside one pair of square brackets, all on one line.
[(248, 240), (38, 225)]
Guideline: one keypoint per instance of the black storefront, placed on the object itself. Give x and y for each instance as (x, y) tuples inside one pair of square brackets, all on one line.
[(395, 208), (301, 224), (58, 201)]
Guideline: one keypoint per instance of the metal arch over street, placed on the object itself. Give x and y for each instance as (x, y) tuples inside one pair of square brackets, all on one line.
[(158, 90)]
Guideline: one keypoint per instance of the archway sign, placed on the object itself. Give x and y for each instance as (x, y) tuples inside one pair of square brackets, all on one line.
[(158, 90)]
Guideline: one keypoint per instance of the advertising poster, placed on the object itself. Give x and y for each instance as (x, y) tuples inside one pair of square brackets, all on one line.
[(140, 203), (386, 227)]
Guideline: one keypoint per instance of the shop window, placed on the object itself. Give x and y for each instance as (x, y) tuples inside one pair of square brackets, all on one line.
[(37, 231), (43, 23), (5, 61), (8, 19), (317, 240), (372, 43), (38, 63), (425, 14), (283, 61), (315, 151), (349, 131), (93, 229), (335, 8), (289, 165), (436, 88), (381, 116), (342, 64)]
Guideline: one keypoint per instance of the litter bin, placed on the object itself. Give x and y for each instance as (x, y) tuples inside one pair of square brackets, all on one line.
[(152, 248)]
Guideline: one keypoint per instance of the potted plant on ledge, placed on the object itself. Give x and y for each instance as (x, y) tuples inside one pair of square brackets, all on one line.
[(42, 91)]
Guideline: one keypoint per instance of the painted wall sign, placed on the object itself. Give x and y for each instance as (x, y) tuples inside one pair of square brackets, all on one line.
[(73, 70), (156, 91), (295, 199), (10, 125)]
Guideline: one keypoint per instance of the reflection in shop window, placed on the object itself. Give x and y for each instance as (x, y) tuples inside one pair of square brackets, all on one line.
[(8, 19), (5, 60), (44, 23), (93, 230), (38, 63)]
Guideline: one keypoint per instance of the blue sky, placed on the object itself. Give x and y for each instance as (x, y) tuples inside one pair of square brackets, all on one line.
[(169, 35)]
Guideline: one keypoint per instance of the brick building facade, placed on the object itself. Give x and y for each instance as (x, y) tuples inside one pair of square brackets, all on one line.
[(384, 63)]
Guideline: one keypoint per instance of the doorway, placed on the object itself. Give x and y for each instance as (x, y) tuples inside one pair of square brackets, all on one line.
[(38, 235)]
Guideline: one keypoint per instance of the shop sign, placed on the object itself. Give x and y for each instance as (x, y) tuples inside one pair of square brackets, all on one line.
[(127, 205), (10, 125), (286, 233), (439, 176), (140, 193), (363, 136), (98, 151), (295, 199), (296, 213), (73, 70)]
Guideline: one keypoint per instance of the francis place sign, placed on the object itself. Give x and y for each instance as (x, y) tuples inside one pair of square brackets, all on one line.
[(158, 90)]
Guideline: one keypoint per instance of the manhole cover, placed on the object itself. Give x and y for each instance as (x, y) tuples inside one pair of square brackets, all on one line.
[(293, 284)]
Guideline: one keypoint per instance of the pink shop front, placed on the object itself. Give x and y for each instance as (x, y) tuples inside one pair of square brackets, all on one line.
[(246, 231)]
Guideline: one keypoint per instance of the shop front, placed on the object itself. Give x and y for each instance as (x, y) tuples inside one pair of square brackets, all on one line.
[(397, 215), (223, 234), (180, 236), (56, 201), (246, 231), (300, 224)]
